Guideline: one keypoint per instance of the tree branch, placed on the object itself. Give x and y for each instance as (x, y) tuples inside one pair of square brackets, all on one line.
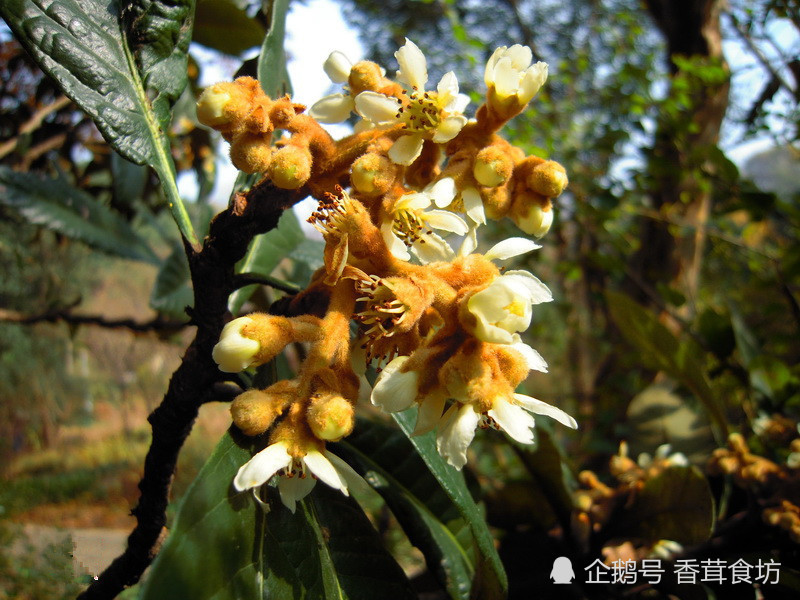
[(212, 270), (64, 315)]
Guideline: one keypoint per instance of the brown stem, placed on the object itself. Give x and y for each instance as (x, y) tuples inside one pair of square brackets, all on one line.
[(212, 270), (157, 324)]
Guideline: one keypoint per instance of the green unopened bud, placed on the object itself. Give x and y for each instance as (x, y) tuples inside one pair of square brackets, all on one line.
[(548, 179), (211, 106), (331, 417), (492, 167), (290, 167), (372, 174)]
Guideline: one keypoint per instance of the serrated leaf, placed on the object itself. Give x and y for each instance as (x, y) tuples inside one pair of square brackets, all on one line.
[(171, 292), (660, 349), (224, 26), (225, 546), (272, 73), (265, 252), (57, 205), (123, 70), (389, 463), (490, 576), (674, 505)]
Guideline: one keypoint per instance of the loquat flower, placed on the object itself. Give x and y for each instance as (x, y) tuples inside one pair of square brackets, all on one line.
[(511, 80)]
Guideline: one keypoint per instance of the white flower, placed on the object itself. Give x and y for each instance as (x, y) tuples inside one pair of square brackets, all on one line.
[(436, 116), (294, 483), (510, 73), (504, 306), (409, 225), (234, 352), (394, 389), (514, 415), (334, 108)]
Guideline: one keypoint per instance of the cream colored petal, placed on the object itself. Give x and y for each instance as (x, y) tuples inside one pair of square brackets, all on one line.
[(394, 243), (363, 125), (447, 88), (377, 107), (513, 420), (413, 66), (414, 200), (532, 82), (293, 489), (488, 72), (506, 78), (430, 413), (539, 292), (394, 390), (234, 352), (446, 221), (442, 192), (262, 466), (458, 104), (521, 56), (332, 109), (456, 435), (470, 242), (538, 407), (449, 128), (406, 149), (435, 249), (337, 67), (473, 205), (511, 247), (324, 470), (349, 475), (533, 359)]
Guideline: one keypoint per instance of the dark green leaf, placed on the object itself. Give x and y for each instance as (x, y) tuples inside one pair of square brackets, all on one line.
[(264, 254), (490, 576), (57, 205), (224, 26), (123, 70), (171, 293), (272, 73), (225, 546), (388, 461), (675, 505), (128, 180)]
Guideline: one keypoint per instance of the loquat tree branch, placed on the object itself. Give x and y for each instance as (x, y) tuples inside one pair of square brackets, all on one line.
[(65, 316)]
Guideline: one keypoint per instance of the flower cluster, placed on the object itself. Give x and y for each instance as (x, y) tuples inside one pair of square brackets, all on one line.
[(441, 324)]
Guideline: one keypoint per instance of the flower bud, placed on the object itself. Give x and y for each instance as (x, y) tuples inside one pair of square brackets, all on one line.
[(211, 106), (290, 167), (372, 174), (365, 76), (226, 105), (251, 152), (255, 410), (529, 214), (492, 167), (330, 417), (548, 179), (251, 341)]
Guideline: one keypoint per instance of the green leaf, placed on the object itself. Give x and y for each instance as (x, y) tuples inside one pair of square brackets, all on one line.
[(57, 205), (389, 463), (490, 576), (265, 252), (659, 349), (124, 70), (224, 26), (675, 505), (171, 292), (128, 180), (225, 546), (272, 73)]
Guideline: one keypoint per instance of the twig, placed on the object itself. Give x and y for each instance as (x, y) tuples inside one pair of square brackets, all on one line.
[(64, 315), (213, 280)]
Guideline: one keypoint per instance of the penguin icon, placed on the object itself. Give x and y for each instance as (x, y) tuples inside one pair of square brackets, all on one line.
[(562, 570)]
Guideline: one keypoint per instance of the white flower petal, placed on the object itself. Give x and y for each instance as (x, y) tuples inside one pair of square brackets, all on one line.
[(293, 489), (447, 221), (506, 78), (337, 67), (539, 291), (510, 247), (513, 420), (435, 249), (449, 128), (324, 470), (395, 245), (442, 192), (430, 413), (473, 205), (352, 479), (543, 408), (395, 391), (413, 66), (447, 88), (488, 72), (533, 359), (456, 435), (332, 109), (234, 352), (532, 82), (377, 107), (406, 149), (414, 200), (262, 466), (470, 242), (521, 56), (458, 104)]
